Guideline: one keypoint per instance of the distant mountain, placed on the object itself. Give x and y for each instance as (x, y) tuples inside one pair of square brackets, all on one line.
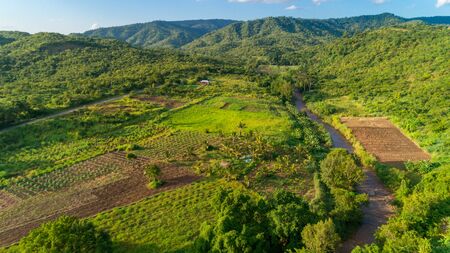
[(161, 33), (9, 36), (438, 20), (275, 36), (274, 39)]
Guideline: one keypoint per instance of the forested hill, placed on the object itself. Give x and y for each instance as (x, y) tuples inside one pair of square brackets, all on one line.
[(438, 20), (45, 72), (401, 72), (160, 33), (8, 37), (274, 37)]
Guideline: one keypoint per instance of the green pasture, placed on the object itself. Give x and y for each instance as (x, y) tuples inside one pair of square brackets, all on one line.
[(224, 114)]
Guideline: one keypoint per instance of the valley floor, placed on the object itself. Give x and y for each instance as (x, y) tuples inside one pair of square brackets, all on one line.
[(379, 208)]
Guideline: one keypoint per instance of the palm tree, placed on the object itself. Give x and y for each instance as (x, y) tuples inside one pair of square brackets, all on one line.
[(241, 127)]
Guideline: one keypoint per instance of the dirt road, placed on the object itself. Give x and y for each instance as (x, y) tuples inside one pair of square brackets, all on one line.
[(378, 210), (62, 113)]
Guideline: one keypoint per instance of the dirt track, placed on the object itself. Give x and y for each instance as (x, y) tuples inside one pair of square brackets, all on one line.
[(378, 210)]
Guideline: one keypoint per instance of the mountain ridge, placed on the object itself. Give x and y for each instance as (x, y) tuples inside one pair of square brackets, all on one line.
[(160, 33)]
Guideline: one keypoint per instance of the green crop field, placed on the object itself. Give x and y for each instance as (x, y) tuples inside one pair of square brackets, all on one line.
[(60, 142), (167, 222)]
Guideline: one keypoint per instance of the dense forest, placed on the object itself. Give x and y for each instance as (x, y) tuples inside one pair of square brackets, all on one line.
[(160, 33), (273, 39)]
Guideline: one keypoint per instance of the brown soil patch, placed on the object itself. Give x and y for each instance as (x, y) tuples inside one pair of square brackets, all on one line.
[(88, 198), (385, 141), (166, 102)]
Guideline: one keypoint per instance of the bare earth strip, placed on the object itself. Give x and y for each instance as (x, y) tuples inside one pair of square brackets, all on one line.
[(385, 141), (124, 185)]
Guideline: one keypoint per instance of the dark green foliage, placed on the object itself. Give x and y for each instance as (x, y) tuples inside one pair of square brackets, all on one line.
[(66, 235), (241, 225), (247, 223), (273, 39), (321, 237), (289, 215), (339, 170), (321, 204), (346, 210), (160, 33), (131, 156), (401, 72), (8, 37), (153, 172)]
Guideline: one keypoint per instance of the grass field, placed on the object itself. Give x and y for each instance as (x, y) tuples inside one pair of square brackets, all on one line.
[(224, 114)]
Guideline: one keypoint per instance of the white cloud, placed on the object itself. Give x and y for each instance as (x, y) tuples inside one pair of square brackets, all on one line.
[(441, 3), (95, 26), (292, 8), (379, 1), (318, 2), (258, 1)]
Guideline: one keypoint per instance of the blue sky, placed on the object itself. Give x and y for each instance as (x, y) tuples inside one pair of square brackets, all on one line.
[(66, 16)]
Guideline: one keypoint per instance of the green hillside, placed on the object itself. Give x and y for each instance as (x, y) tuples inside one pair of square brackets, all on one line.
[(47, 72), (160, 33), (274, 38), (8, 37), (402, 72)]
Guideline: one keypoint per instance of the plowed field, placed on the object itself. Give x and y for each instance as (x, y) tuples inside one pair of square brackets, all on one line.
[(384, 140)]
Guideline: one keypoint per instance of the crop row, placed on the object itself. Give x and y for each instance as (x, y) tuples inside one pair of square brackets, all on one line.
[(176, 145), (63, 178)]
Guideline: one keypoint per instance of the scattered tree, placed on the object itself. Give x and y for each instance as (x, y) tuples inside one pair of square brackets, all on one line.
[(152, 172), (66, 235), (339, 170), (321, 237)]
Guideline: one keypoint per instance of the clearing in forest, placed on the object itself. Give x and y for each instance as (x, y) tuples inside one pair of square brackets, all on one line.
[(384, 140)]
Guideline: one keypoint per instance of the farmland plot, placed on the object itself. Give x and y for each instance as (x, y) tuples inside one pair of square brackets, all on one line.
[(82, 190), (385, 141)]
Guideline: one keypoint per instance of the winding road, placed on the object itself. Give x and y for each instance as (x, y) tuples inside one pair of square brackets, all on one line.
[(378, 210), (64, 112)]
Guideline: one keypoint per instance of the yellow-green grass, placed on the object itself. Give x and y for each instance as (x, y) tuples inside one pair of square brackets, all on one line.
[(167, 222), (224, 114)]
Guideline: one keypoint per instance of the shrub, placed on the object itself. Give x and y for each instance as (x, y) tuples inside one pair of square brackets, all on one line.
[(321, 237), (152, 172), (339, 170), (66, 234), (131, 156)]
